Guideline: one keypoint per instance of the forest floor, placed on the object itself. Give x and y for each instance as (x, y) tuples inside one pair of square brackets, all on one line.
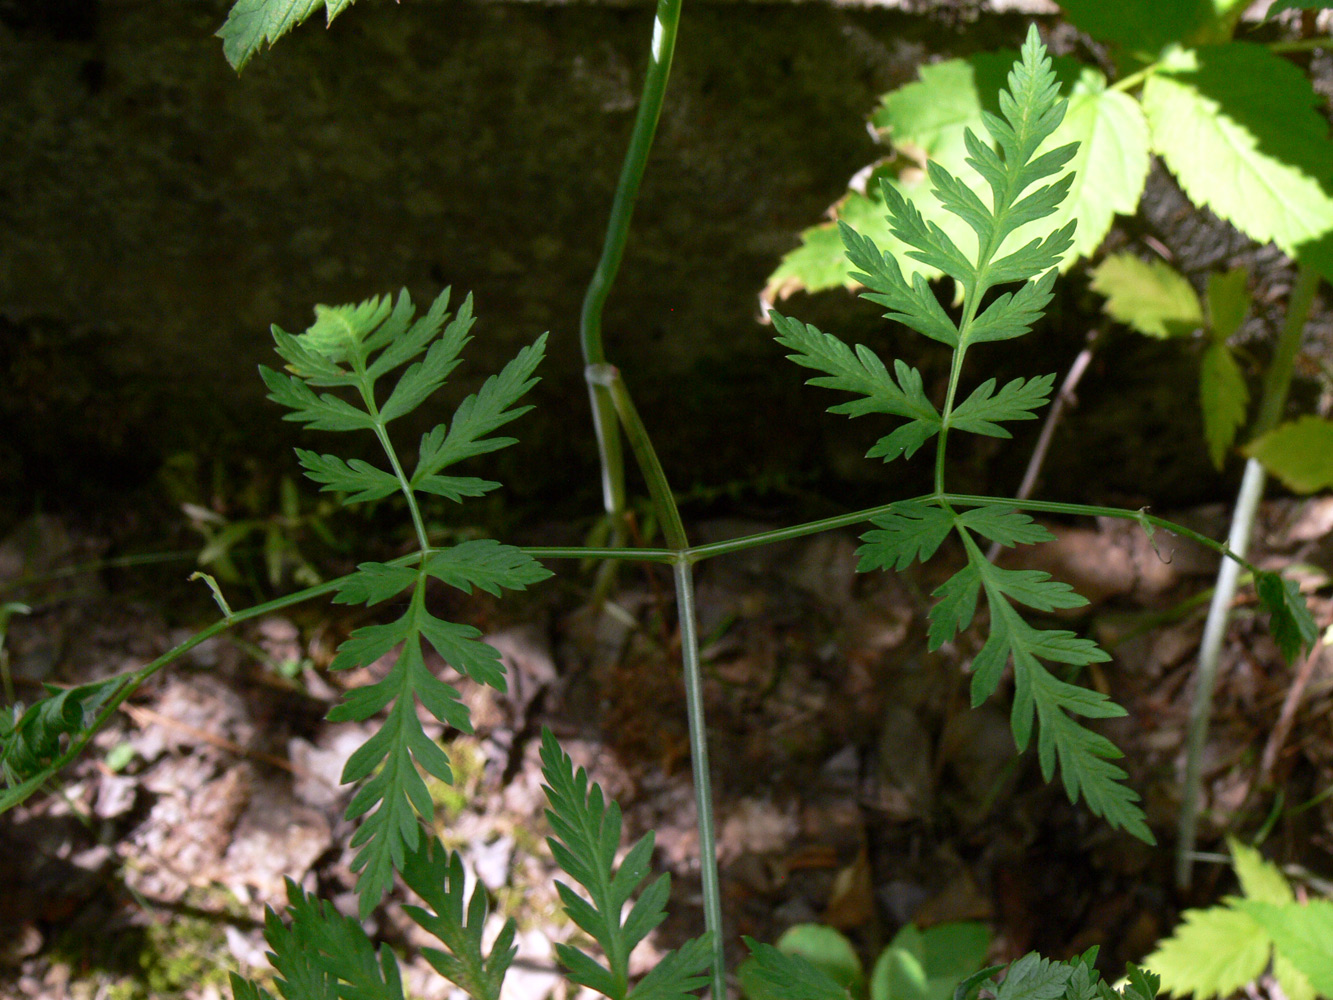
[(854, 785)]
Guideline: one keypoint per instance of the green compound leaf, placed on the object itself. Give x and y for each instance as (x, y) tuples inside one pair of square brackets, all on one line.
[(1293, 625), (1152, 297), (358, 478), (1300, 453), (863, 373), (252, 24), (910, 531), (769, 974), (1016, 401), (1225, 398), (929, 965), (353, 347), (486, 564), (586, 830), (1211, 114), (436, 875), (1083, 756), (478, 415)]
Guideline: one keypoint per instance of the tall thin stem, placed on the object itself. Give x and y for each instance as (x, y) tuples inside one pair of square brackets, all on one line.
[(611, 455), (1277, 383), (703, 792)]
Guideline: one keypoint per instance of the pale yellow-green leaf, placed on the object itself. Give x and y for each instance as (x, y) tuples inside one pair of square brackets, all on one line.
[(1300, 453), (1224, 398), (1259, 879), (1295, 983), (1228, 296), (1152, 297), (1212, 953), (1302, 933), (1239, 127)]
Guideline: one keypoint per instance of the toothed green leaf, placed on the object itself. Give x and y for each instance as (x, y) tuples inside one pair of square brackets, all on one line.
[(909, 532), (1224, 397), (358, 478), (252, 24), (1293, 625), (436, 875), (1152, 297), (586, 835), (1271, 175), (1300, 453), (486, 564), (1016, 401)]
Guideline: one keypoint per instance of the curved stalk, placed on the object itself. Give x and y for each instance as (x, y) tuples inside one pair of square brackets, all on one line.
[(1277, 383), (611, 455)]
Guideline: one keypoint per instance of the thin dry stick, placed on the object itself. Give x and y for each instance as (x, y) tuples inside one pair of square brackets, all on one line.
[(1287, 717), (1064, 399)]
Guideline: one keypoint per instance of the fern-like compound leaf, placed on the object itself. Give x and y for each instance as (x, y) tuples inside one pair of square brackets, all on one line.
[(353, 347), (910, 531), (863, 373), (480, 414), (436, 875), (1017, 400), (770, 974), (586, 835), (322, 955)]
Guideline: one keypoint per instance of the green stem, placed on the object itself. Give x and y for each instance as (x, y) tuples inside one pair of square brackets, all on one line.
[(659, 490), (1277, 385), (703, 793), (132, 681), (665, 25)]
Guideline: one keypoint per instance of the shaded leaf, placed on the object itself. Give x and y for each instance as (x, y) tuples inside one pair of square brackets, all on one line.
[(1225, 398), (252, 24), (1152, 297), (1300, 453), (1271, 175)]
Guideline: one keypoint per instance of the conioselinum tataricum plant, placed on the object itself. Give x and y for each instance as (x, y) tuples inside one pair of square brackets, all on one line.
[(361, 368)]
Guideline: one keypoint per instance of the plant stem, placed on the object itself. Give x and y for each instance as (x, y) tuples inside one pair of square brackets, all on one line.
[(659, 490), (665, 25), (703, 793), (1277, 383)]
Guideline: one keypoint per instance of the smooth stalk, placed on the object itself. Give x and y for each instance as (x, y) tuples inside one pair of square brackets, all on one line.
[(609, 450), (1277, 383), (703, 793)]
